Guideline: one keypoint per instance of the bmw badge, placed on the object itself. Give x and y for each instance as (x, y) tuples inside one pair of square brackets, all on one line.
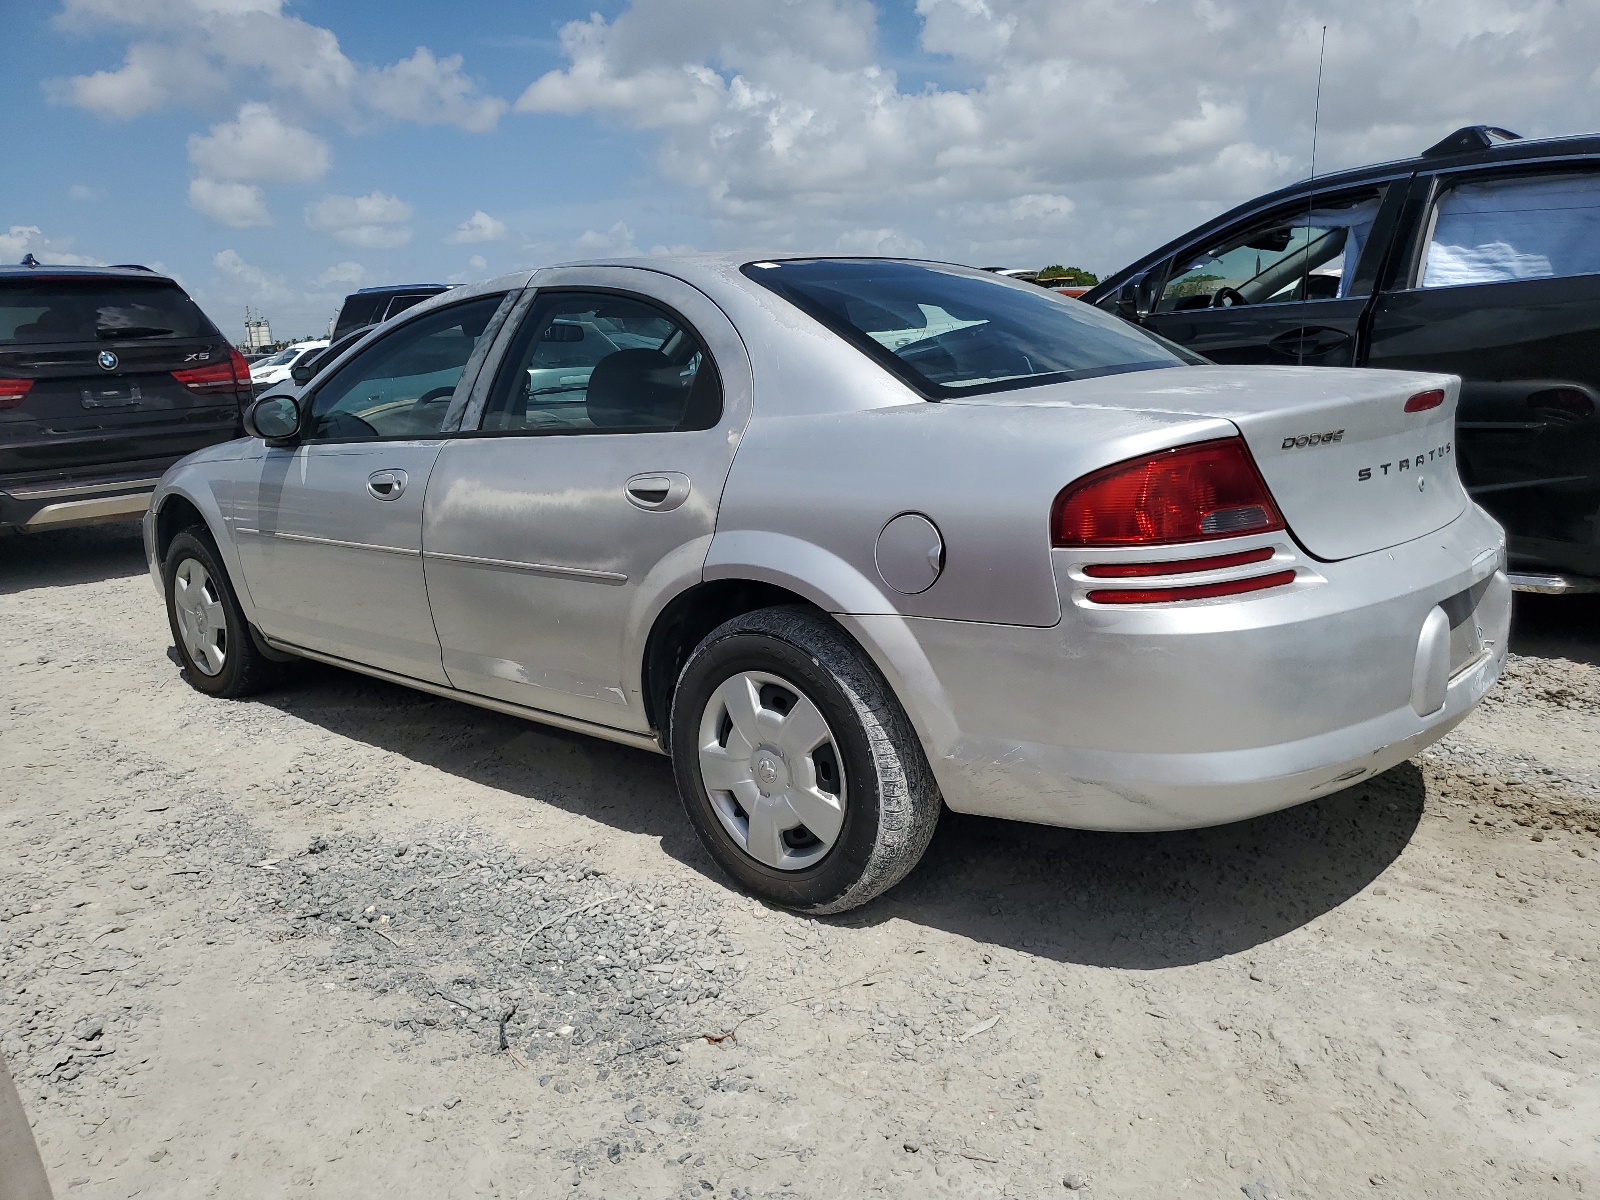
[(108, 360)]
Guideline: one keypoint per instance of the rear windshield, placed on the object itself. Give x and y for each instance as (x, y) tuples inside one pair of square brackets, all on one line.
[(88, 310), (950, 332)]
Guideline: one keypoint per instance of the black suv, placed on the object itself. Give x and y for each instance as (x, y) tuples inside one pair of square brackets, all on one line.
[(1480, 258), (374, 305), (108, 375)]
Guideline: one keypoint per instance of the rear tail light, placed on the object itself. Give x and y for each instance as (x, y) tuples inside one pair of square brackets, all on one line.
[(1199, 591), (1423, 401), (1187, 566), (13, 392), (213, 379), (1186, 494)]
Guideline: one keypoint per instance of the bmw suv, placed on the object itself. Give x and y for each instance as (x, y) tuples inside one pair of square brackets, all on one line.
[(108, 376)]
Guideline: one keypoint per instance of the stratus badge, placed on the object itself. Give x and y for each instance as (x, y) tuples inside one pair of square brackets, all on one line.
[(107, 360)]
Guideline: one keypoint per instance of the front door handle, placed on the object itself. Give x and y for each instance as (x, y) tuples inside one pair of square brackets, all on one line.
[(387, 484), (658, 491), (1310, 340)]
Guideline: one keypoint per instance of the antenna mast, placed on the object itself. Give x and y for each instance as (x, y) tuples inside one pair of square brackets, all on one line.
[(1311, 196)]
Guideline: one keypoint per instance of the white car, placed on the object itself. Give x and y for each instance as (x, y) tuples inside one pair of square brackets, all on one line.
[(276, 368)]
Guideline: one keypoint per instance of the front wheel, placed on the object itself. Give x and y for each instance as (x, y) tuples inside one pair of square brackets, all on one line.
[(797, 765), (219, 654)]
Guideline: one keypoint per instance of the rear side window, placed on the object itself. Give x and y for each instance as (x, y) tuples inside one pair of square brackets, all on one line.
[(400, 303), (949, 333), (87, 310), (1532, 227), (359, 310)]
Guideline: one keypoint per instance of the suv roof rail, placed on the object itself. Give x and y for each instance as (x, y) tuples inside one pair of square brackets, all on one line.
[(1470, 138), (132, 267)]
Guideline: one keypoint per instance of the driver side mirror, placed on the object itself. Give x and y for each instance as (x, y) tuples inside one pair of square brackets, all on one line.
[(303, 370), (274, 418), (1136, 299)]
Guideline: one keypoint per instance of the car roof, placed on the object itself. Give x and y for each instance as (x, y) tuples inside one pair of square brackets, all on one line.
[(1442, 155), (401, 287), (1483, 148), (76, 271)]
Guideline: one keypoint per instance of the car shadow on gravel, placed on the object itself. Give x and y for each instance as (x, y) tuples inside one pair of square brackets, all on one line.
[(1141, 901), (1149, 900), (70, 556), (627, 789)]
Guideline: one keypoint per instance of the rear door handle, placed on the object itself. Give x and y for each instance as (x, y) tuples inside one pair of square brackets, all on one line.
[(658, 491), (386, 484)]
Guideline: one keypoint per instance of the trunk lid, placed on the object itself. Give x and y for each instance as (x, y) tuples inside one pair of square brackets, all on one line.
[(1350, 469)]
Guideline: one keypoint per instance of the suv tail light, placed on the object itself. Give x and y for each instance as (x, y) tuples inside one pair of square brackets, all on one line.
[(218, 377), (13, 392), (1186, 494)]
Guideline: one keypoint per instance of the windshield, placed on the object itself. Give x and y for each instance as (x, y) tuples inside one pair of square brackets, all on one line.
[(949, 332), (285, 357), (88, 310)]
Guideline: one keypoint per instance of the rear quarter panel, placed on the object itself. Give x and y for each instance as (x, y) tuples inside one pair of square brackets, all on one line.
[(808, 495)]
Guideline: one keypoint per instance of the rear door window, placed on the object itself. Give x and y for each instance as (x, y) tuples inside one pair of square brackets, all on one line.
[(38, 311), (1499, 230), (597, 362)]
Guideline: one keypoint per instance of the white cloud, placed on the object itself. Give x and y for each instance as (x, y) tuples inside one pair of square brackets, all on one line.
[(479, 227), (346, 274), (1077, 129), (22, 240), (375, 221), (257, 145), (84, 192), (238, 205), (877, 241), (616, 242), (191, 51), (260, 287), (477, 268), (432, 91), (152, 75)]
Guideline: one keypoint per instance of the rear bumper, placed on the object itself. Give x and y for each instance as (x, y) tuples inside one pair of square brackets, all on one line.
[(1181, 715), (36, 507)]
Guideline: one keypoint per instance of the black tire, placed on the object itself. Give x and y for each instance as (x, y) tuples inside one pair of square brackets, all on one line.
[(890, 801), (244, 670)]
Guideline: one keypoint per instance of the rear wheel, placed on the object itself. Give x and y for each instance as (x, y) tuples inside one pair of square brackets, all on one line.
[(220, 656), (797, 765)]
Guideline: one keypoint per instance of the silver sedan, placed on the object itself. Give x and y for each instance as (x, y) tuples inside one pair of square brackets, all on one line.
[(852, 540)]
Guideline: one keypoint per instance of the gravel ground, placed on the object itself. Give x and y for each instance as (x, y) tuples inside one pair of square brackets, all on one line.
[(346, 939)]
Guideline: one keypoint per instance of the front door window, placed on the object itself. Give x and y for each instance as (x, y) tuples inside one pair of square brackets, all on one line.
[(402, 386), (1309, 255)]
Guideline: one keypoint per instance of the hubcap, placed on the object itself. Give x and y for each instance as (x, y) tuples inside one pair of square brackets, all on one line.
[(773, 770), (201, 622)]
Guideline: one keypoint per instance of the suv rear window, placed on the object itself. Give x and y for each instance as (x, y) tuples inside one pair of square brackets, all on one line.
[(950, 332), (88, 310)]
